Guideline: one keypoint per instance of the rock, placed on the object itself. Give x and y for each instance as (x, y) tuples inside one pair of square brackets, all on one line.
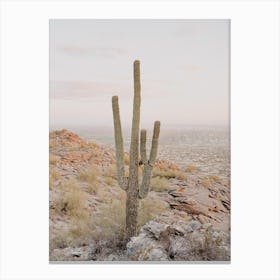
[(155, 254), (155, 228), (84, 253), (176, 241), (194, 225), (202, 219)]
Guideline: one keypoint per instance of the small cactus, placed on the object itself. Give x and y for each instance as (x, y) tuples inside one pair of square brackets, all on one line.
[(131, 184)]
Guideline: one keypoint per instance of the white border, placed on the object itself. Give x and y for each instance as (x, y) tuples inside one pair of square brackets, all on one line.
[(255, 138)]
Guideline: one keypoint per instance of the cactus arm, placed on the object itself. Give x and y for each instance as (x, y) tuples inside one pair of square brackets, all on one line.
[(119, 143), (154, 149), (148, 166), (143, 136)]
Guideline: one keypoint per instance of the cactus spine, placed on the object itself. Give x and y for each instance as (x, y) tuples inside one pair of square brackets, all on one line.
[(131, 184)]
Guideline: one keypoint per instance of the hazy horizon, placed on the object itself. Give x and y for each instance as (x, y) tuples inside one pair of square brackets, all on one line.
[(184, 71)]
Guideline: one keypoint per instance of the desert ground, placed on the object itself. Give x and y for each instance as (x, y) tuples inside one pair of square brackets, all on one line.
[(185, 217)]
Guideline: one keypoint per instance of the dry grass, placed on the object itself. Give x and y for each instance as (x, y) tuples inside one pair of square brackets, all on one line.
[(168, 173), (53, 159), (61, 240), (210, 180), (54, 174), (71, 201), (97, 154), (159, 184), (110, 220), (93, 145), (80, 230), (206, 182), (110, 171), (93, 188), (190, 169), (109, 181), (149, 208), (215, 178), (90, 175)]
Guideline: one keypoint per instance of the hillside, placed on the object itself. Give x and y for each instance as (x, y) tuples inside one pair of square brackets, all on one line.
[(186, 215)]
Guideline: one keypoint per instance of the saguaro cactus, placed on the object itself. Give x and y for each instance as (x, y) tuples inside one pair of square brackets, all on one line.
[(131, 184)]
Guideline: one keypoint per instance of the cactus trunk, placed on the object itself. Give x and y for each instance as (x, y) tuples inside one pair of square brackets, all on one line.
[(132, 191), (131, 185)]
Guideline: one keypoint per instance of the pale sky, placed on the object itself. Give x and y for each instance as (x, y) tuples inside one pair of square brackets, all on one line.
[(184, 71)]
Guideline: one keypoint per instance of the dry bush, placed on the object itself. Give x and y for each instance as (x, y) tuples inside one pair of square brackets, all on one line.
[(149, 208), (54, 174), (159, 184), (166, 165), (93, 188), (168, 173), (90, 175), (210, 180), (110, 220), (110, 181), (110, 171), (71, 200), (206, 182), (214, 178), (97, 154), (180, 175), (61, 240), (53, 159), (93, 145), (80, 231), (190, 168), (163, 173)]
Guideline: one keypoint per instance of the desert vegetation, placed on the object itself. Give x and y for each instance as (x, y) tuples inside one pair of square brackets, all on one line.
[(130, 184)]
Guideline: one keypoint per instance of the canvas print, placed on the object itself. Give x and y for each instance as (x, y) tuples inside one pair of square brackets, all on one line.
[(139, 141)]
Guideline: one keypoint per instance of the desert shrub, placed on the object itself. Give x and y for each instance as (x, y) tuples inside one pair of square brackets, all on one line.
[(97, 154), (149, 208), (80, 231), (109, 181), (166, 165), (206, 182), (163, 173), (110, 171), (215, 178), (71, 200), (53, 159), (54, 174), (168, 173), (210, 245), (159, 184), (61, 240), (90, 175), (190, 169), (93, 145), (93, 188), (110, 220)]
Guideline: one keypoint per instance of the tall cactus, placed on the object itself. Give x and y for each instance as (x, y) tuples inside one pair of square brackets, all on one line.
[(131, 184)]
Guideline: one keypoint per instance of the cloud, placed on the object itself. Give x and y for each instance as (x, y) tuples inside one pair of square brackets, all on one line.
[(70, 90), (105, 52), (85, 90)]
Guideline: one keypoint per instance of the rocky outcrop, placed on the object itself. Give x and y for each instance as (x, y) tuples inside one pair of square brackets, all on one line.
[(175, 240)]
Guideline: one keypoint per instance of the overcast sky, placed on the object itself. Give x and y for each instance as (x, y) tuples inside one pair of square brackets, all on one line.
[(184, 71)]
